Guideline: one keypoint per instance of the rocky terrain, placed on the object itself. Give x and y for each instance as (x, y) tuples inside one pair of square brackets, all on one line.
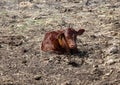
[(23, 24)]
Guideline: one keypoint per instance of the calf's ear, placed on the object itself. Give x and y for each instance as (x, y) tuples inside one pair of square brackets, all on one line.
[(80, 32), (61, 38)]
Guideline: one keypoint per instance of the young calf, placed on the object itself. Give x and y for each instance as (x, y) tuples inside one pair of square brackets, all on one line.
[(61, 41)]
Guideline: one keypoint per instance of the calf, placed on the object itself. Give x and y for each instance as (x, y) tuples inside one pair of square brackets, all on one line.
[(61, 41)]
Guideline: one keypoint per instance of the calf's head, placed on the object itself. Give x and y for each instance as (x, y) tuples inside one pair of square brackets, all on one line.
[(67, 38)]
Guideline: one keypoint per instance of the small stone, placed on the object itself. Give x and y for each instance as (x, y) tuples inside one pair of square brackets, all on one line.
[(97, 72), (93, 36), (113, 49), (25, 50), (110, 62), (109, 73), (95, 66), (66, 83), (24, 61), (74, 64), (37, 77), (0, 46), (114, 33)]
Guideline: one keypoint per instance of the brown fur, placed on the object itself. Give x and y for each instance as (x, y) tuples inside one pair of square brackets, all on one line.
[(61, 41)]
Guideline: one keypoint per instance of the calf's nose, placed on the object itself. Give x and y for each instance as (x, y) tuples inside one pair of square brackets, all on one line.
[(72, 46)]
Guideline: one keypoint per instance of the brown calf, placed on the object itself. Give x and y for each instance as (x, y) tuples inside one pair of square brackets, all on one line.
[(61, 41)]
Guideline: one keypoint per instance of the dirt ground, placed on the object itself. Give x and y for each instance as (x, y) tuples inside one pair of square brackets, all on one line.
[(23, 24)]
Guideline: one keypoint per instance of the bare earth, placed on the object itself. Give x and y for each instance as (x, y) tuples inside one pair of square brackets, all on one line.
[(22, 29)]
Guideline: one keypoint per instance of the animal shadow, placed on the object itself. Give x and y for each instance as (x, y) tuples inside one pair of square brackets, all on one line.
[(81, 54), (73, 63)]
